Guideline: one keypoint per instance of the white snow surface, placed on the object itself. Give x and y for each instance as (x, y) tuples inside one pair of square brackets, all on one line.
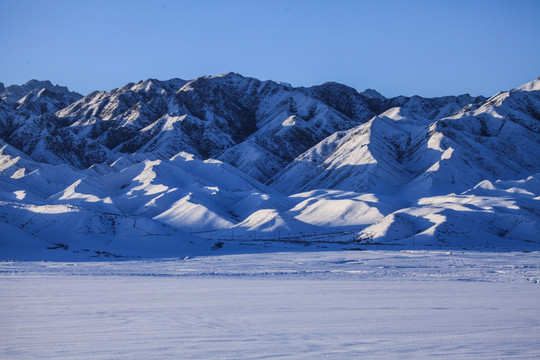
[(339, 305)]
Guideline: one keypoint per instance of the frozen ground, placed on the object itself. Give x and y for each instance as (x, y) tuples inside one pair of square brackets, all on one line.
[(356, 304)]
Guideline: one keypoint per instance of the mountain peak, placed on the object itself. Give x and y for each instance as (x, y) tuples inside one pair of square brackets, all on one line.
[(332, 85), (13, 93), (38, 84), (228, 74), (530, 86), (372, 94)]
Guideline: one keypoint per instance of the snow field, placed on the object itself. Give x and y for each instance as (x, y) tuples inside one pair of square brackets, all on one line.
[(374, 305)]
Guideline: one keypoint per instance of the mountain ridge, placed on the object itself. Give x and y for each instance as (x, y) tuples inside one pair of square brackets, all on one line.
[(232, 156)]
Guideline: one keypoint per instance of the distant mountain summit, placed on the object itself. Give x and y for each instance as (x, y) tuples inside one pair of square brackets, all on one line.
[(18, 94), (231, 152)]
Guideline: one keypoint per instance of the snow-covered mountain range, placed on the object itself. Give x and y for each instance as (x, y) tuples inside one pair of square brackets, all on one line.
[(176, 167)]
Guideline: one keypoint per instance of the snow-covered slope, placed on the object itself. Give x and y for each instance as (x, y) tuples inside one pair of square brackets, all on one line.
[(183, 165), (403, 151), (219, 117), (257, 126)]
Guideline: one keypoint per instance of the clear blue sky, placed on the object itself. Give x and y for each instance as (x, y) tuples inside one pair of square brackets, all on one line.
[(429, 48)]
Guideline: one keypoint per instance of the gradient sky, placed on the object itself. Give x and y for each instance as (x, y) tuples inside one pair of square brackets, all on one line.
[(428, 48)]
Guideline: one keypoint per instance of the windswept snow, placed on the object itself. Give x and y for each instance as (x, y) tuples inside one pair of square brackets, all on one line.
[(346, 305)]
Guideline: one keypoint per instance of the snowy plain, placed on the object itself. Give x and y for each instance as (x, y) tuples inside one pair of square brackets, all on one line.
[(288, 305)]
